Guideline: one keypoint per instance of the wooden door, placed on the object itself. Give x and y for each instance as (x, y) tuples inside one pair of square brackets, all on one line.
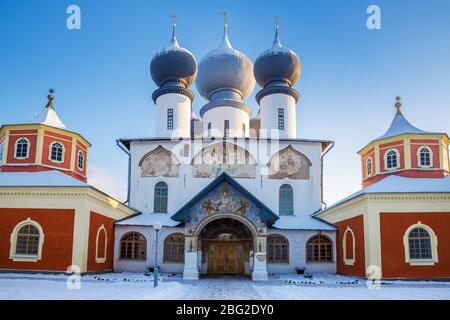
[(225, 258)]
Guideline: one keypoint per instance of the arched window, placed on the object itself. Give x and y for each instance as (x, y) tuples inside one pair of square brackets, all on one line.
[(174, 248), (425, 157), (160, 198), (369, 167), (319, 248), (27, 241), (391, 159), (133, 246), (420, 244), (286, 200), (22, 147), (101, 245), (80, 160), (56, 152), (348, 247), (277, 249)]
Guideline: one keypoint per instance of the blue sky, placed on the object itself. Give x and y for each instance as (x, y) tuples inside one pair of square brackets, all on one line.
[(350, 74)]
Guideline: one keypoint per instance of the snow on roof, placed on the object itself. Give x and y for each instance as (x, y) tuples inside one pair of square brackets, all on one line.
[(396, 184), (400, 126), (302, 223), (148, 219), (52, 178), (48, 117)]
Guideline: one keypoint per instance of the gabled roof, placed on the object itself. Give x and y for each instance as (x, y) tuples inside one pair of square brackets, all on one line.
[(267, 215)]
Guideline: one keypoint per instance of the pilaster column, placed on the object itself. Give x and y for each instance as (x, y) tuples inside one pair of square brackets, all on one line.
[(190, 271), (260, 260)]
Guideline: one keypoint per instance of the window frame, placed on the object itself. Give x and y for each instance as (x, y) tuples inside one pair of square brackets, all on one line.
[(179, 254), (16, 144), (226, 128), (280, 211), (419, 158), (347, 261), (159, 183), (433, 243), (369, 164), (320, 260), (50, 152), (13, 242), (397, 154), (170, 118), (105, 251), (135, 251), (283, 243), (281, 119), (80, 152)]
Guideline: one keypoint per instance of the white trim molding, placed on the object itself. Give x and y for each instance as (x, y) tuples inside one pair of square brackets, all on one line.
[(348, 262), (433, 243), (13, 241), (103, 258), (419, 164)]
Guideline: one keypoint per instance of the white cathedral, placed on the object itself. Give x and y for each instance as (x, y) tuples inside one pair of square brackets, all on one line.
[(222, 192)]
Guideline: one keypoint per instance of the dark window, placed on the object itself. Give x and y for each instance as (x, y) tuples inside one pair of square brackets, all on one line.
[(277, 249), (319, 248), (57, 151), (419, 244), (160, 198), (80, 160), (133, 246), (209, 129), (226, 125), (22, 148), (286, 200), (425, 157), (169, 119), (174, 248), (391, 159), (280, 119), (243, 129)]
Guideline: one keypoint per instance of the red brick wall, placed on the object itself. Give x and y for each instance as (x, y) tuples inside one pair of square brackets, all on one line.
[(432, 144), (359, 267), (96, 221), (15, 135), (57, 225), (50, 137), (393, 227), (399, 146)]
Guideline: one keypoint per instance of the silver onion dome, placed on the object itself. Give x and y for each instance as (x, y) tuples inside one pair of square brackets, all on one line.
[(277, 64), (173, 64), (225, 70)]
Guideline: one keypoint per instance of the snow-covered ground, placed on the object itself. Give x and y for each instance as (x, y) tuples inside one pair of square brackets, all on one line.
[(139, 286)]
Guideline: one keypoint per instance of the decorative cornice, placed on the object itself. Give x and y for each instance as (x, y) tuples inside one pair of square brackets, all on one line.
[(277, 89), (172, 89)]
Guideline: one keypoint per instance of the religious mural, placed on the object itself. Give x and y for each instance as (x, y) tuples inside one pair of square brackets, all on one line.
[(223, 157), (289, 163), (159, 163), (225, 200)]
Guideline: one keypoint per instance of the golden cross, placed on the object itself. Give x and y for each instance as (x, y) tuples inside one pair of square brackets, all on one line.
[(225, 24), (276, 23), (174, 24), (398, 104)]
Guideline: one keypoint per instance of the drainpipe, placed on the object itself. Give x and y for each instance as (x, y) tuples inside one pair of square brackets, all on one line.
[(121, 146), (330, 146)]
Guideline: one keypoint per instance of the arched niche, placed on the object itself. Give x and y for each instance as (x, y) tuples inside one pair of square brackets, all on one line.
[(159, 162), (289, 163)]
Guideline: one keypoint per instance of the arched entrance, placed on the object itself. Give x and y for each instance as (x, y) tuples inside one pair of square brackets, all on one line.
[(226, 246)]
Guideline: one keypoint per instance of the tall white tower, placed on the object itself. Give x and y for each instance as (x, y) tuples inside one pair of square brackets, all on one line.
[(225, 79), (277, 70), (173, 70)]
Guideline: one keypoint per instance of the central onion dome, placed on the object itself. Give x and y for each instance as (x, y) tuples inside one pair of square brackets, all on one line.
[(225, 73), (173, 67)]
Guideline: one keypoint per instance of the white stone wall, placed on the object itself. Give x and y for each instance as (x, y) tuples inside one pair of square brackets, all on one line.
[(121, 265), (269, 106), (181, 106), (218, 115), (307, 193), (297, 253)]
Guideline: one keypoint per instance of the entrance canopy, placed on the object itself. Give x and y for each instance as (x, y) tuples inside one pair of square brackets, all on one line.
[(225, 196)]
